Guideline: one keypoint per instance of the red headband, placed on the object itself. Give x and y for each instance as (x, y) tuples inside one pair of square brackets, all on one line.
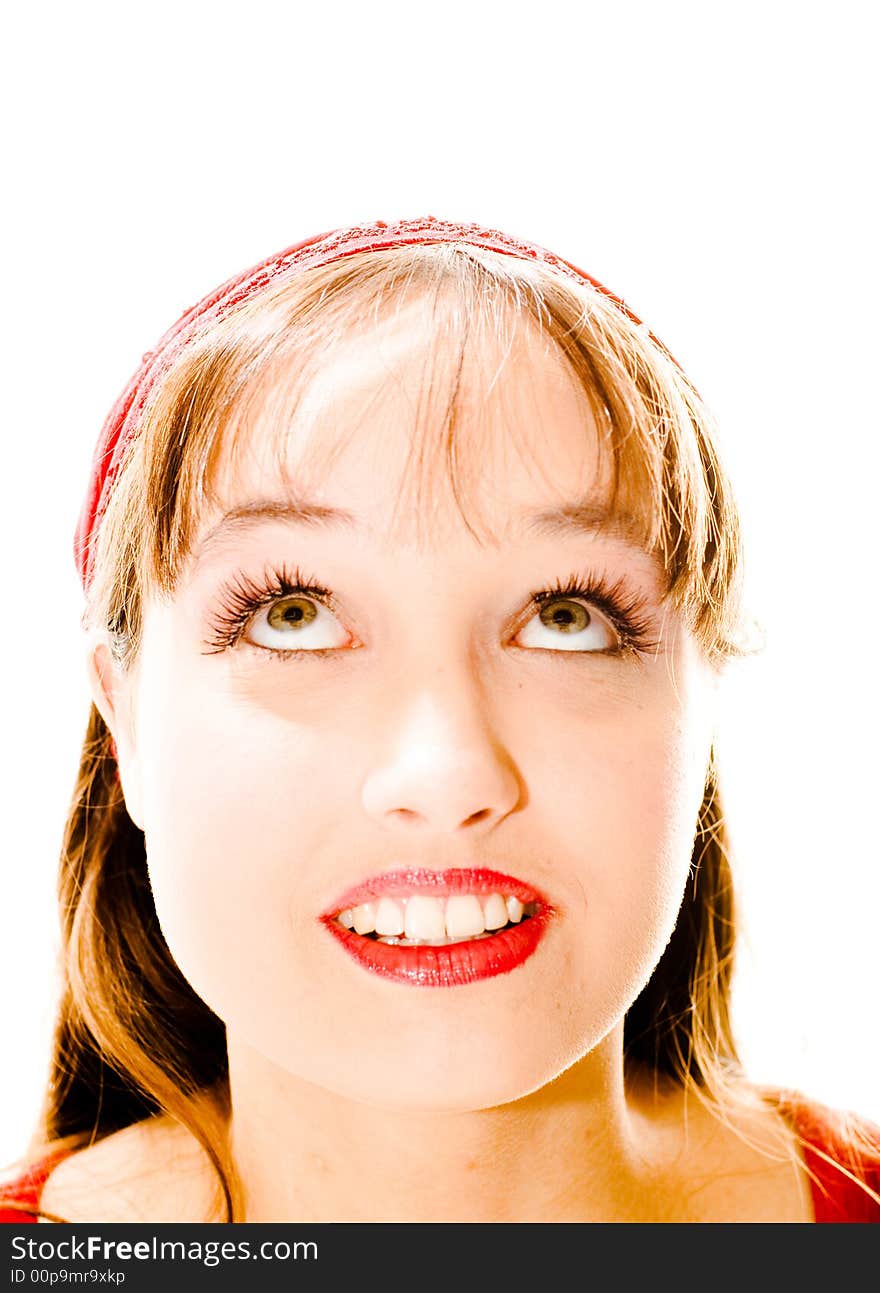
[(321, 249)]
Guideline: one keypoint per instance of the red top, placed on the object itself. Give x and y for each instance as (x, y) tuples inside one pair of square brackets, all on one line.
[(837, 1197)]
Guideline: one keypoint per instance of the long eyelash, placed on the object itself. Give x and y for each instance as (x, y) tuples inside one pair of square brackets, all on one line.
[(627, 612), (242, 598)]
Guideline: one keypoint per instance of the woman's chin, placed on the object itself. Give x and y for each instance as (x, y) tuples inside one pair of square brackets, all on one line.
[(458, 1084)]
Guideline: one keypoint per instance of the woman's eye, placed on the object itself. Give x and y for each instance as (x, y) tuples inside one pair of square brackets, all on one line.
[(296, 623), (566, 625)]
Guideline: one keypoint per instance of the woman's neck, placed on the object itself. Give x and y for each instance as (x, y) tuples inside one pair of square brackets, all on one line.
[(575, 1150)]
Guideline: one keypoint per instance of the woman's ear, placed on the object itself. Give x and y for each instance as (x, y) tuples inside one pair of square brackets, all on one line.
[(111, 693)]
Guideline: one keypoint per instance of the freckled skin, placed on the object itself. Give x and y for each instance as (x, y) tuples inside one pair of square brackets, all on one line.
[(266, 787)]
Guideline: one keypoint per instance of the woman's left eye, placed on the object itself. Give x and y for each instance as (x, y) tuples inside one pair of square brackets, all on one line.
[(284, 613), (297, 623), (567, 625)]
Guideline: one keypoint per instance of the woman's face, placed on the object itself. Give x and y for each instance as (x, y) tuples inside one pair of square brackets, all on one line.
[(432, 717)]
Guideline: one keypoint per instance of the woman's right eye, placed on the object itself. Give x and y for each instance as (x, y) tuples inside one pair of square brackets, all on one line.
[(296, 623)]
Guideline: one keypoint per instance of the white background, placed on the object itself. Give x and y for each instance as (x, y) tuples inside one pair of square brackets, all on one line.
[(713, 164)]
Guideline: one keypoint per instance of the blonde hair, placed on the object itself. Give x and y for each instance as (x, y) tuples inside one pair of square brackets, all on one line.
[(132, 1038)]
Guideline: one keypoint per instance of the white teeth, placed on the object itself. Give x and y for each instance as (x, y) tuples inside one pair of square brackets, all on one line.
[(464, 916), (389, 917), (424, 917), (494, 911), (419, 918), (365, 918)]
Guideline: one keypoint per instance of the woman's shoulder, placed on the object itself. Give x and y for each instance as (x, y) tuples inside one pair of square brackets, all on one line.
[(764, 1153), (21, 1187), (152, 1170), (841, 1151)]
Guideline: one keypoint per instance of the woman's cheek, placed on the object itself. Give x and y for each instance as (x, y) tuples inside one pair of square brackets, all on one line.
[(636, 854), (214, 859)]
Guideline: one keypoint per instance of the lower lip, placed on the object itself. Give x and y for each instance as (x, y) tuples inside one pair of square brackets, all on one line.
[(450, 966)]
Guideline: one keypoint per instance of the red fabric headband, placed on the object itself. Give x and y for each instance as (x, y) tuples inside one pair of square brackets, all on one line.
[(320, 249)]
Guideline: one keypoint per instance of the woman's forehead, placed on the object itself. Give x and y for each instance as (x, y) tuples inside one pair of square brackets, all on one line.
[(410, 430)]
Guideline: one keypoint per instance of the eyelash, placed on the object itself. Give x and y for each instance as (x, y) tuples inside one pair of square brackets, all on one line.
[(243, 598)]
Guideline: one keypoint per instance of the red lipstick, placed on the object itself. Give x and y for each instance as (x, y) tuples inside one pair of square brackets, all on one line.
[(452, 964)]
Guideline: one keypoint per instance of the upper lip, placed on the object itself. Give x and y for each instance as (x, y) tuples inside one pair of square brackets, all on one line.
[(406, 881)]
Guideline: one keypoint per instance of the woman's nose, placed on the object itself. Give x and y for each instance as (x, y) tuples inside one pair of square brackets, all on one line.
[(442, 769)]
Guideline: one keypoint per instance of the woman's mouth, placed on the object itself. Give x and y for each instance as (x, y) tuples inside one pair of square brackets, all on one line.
[(440, 929)]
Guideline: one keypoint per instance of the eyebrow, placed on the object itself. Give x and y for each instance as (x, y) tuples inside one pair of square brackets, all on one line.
[(257, 511), (580, 517), (587, 517)]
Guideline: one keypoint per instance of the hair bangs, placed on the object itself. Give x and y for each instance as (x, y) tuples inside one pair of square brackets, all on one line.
[(239, 387)]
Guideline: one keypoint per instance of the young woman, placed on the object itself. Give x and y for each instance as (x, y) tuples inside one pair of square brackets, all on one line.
[(396, 884)]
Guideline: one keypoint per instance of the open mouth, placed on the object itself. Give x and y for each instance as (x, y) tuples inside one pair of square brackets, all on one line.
[(445, 938), (436, 922)]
